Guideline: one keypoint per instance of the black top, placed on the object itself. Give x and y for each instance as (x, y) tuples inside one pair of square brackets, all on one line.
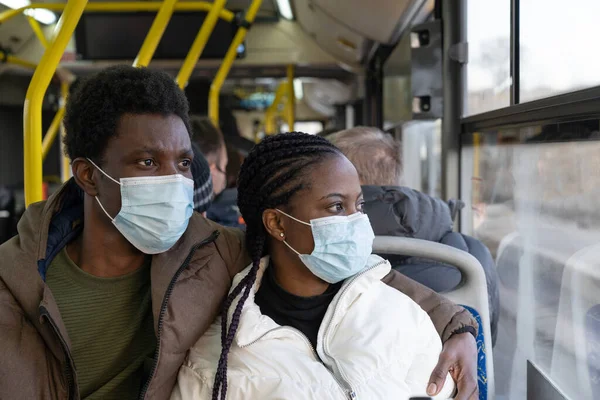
[(302, 313)]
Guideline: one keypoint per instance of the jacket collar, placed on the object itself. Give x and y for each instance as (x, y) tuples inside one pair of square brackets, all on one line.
[(254, 326)]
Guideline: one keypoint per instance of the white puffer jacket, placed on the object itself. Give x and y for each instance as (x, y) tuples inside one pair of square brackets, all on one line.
[(374, 343)]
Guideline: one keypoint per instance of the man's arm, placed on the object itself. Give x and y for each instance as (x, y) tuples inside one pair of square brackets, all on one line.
[(448, 318)]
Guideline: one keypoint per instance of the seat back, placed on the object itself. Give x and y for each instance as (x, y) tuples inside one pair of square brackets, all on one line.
[(575, 356), (471, 293)]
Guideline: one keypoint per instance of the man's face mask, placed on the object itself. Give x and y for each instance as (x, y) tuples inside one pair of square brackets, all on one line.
[(343, 245), (155, 210)]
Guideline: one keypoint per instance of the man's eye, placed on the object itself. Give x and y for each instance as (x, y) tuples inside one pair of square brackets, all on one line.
[(146, 163), (185, 163)]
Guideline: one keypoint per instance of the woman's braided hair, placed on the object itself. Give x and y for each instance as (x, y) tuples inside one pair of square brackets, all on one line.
[(271, 174)]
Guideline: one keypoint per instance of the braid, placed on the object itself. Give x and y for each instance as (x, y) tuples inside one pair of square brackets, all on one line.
[(271, 174)]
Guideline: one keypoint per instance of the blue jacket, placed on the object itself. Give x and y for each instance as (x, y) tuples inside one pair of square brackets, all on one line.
[(400, 211)]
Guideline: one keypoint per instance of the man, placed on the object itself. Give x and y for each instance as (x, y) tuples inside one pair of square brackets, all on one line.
[(210, 141), (114, 278), (203, 188), (400, 211)]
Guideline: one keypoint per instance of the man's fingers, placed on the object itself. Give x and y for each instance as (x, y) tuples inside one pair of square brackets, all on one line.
[(438, 376), (467, 388)]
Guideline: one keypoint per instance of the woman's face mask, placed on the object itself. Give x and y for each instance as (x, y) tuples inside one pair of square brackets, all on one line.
[(155, 210), (343, 245)]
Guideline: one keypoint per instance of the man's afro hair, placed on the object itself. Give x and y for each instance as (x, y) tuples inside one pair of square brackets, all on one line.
[(96, 105)]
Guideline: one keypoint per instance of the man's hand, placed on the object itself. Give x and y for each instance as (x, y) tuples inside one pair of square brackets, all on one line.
[(459, 357)]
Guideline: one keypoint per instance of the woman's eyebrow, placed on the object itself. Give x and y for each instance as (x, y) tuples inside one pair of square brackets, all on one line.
[(333, 195)]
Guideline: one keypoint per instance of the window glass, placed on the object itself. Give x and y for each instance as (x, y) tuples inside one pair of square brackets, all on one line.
[(558, 46), (532, 197), (488, 69)]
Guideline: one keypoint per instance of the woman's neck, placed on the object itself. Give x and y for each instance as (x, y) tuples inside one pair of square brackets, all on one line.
[(293, 276)]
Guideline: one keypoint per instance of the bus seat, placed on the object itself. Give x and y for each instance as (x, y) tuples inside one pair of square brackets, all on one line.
[(471, 293), (575, 357)]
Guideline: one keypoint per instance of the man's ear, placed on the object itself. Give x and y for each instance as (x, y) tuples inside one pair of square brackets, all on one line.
[(274, 224), (83, 173)]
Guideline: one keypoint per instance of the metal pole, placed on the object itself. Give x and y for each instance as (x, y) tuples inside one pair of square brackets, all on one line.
[(16, 61), (155, 34), (515, 52), (373, 111), (37, 29), (291, 99), (52, 132), (32, 116), (199, 43), (215, 88), (271, 112), (454, 21), (118, 6)]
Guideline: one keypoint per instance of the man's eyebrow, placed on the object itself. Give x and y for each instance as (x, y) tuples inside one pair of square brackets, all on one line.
[(144, 149)]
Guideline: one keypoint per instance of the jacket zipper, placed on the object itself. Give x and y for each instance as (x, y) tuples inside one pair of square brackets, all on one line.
[(183, 266), (68, 369), (335, 310), (344, 387)]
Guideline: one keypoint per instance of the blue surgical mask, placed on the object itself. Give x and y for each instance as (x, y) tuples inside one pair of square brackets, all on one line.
[(155, 210), (343, 245)]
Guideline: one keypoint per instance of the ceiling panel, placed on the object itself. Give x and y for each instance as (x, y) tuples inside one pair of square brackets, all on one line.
[(377, 20), (335, 38)]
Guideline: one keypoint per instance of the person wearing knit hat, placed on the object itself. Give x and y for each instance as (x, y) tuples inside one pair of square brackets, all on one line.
[(203, 187)]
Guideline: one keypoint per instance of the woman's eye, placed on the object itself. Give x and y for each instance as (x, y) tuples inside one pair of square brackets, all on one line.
[(185, 164), (336, 208), (147, 163), (361, 207)]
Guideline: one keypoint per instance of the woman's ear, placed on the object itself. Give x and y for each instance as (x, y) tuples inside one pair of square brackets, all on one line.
[(274, 224)]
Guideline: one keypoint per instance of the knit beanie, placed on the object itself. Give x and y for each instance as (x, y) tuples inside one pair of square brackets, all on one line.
[(203, 188)]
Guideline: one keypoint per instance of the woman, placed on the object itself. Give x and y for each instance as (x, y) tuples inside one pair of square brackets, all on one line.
[(304, 320)]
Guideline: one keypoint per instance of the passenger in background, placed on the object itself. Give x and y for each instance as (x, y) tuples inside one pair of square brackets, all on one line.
[(203, 188), (312, 317), (401, 211), (209, 139)]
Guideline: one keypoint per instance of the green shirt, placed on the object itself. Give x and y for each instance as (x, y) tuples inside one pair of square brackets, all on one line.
[(109, 322)]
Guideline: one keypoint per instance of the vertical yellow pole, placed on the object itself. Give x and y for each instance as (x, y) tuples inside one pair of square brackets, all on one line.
[(199, 43), (65, 170), (291, 99), (155, 33), (52, 132), (37, 29), (271, 112), (217, 84), (32, 115)]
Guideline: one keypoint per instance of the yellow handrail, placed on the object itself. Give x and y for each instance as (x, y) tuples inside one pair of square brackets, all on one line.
[(32, 115), (15, 60), (37, 29), (271, 112), (199, 43), (155, 33), (217, 84), (291, 99), (65, 170), (120, 7), (52, 131)]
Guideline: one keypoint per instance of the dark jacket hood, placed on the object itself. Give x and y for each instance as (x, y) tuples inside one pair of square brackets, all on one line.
[(401, 211)]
